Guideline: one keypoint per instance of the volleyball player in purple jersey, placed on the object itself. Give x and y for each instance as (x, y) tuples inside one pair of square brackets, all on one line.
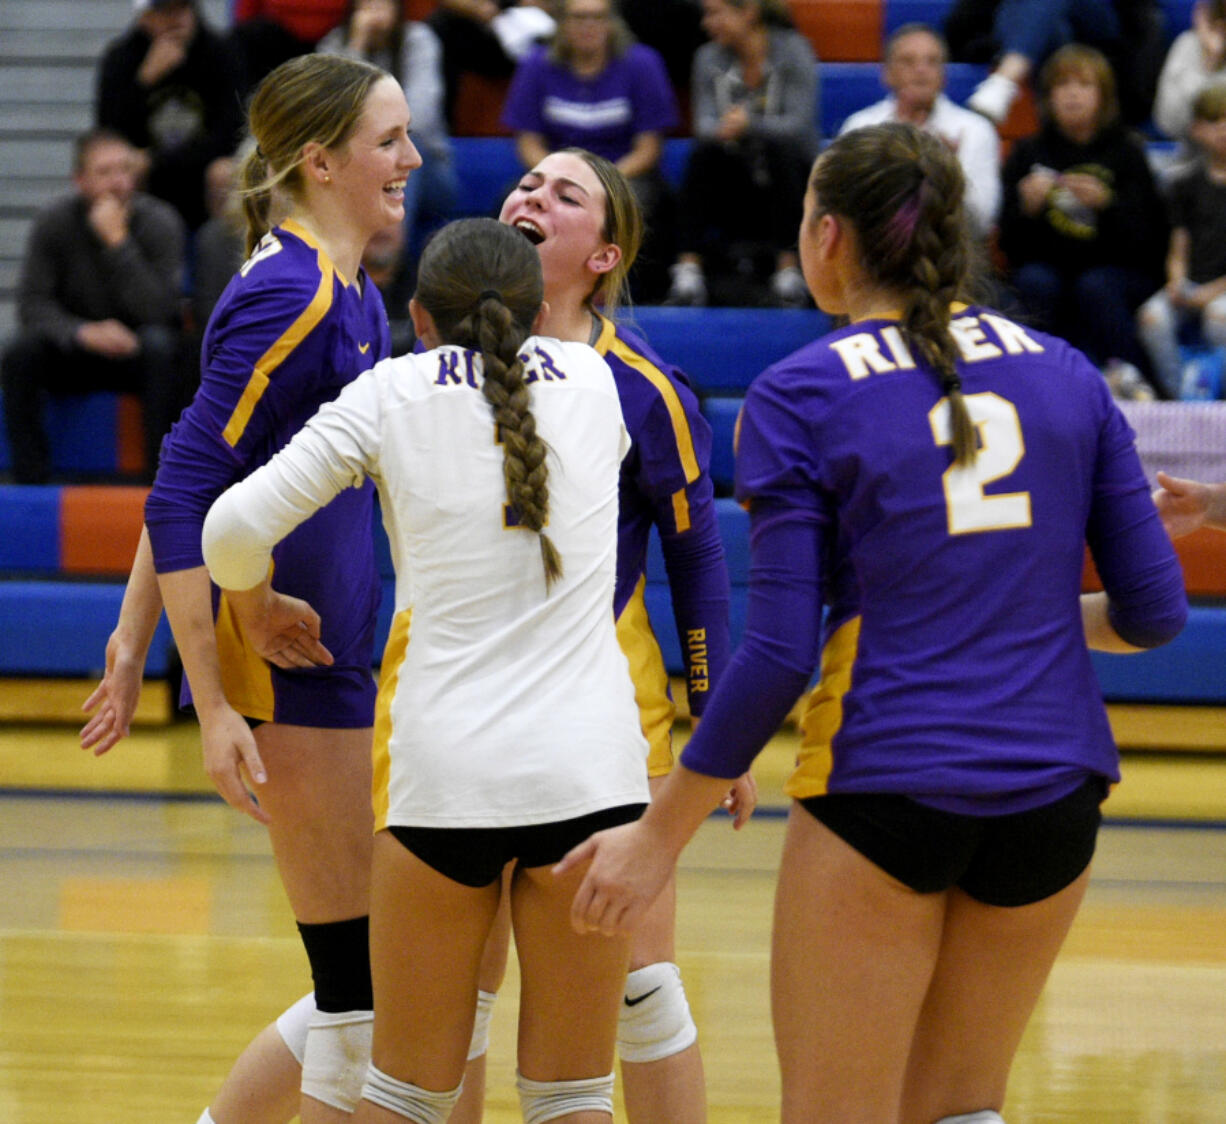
[(579, 211), (298, 322), (931, 473)]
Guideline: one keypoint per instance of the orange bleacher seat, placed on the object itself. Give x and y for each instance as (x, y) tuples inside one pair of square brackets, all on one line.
[(841, 30), (100, 527), (478, 106), (1203, 557), (130, 438)]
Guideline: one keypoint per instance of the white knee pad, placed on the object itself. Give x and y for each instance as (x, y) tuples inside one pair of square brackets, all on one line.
[(547, 1100), (655, 1020), (293, 1024), (984, 1116), (422, 1106), (336, 1057), (480, 1042), (206, 1118)]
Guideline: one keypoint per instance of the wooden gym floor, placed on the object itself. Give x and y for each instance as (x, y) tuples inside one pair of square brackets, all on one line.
[(144, 938)]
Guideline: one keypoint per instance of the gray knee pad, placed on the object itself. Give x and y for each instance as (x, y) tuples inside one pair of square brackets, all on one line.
[(337, 1056), (547, 1100), (293, 1024), (655, 1020), (983, 1116), (422, 1106)]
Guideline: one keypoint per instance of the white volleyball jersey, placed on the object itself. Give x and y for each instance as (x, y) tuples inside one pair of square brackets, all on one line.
[(499, 703)]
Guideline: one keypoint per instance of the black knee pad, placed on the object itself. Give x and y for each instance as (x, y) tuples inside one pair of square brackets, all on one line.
[(339, 952)]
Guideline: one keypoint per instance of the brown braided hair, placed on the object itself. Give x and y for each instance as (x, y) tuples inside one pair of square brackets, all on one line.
[(901, 189), (481, 282)]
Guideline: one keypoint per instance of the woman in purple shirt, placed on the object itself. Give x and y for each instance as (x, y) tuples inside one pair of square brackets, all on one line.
[(929, 475)]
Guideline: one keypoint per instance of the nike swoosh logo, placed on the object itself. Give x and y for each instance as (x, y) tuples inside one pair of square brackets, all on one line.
[(363, 348), (646, 995)]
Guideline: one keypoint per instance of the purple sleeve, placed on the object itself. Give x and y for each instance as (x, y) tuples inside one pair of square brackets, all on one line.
[(194, 468), (521, 112), (780, 649), (655, 102), (1134, 557), (698, 587)]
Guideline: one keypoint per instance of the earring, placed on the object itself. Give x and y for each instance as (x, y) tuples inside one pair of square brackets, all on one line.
[(327, 178)]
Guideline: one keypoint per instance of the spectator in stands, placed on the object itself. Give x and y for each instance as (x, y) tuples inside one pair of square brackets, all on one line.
[(595, 88), (1186, 505), (755, 134), (672, 27), (1019, 35), (487, 37), (97, 304), (266, 33), (386, 262), (1197, 58), (1082, 224), (377, 32), (914, 70), (1195, 290), (170, 85)]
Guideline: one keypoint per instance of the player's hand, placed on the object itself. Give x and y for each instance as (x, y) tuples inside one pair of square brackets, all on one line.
[(741, 800), (284, 630), (1182, 504), (232, 760), (627, 871), (115, 698)]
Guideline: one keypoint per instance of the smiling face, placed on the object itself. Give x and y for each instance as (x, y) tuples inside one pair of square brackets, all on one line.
[(371, 168), (559, 206)]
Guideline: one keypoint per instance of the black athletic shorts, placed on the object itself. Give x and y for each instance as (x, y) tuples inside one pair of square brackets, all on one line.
[(1008, 860), (475, 856)]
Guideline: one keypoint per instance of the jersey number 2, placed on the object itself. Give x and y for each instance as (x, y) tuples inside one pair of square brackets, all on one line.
[(1001, 449)]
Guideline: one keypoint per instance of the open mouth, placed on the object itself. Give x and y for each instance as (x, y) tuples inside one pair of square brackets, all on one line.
[(530, 230)]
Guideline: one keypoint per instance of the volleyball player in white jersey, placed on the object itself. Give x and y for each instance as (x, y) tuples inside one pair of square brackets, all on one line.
[(506, 726)]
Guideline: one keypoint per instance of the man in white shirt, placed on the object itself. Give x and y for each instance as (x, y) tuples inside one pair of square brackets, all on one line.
[(914, 71)]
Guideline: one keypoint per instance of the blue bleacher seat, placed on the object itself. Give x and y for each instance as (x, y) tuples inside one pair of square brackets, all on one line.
[(487, 167), (722, 413), (900, 12), (60, 628), (1190, 669), (723, 349), (29, 528), (83, 431)]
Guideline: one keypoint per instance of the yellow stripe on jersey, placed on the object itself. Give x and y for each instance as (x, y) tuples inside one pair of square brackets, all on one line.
[(246, 677), (823, 713), (608, 343), (647, 672), (314, 312), (389, 677)]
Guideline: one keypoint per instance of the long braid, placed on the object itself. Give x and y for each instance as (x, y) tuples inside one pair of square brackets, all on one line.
[(939, 266), (523, 451), (481, 282), (902, 190)]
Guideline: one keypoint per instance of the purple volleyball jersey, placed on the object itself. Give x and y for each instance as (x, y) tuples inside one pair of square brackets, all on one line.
[(603, 114), (287, 335), (954, 667), (665, 482)]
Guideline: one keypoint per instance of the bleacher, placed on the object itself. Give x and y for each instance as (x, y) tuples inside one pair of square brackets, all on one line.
[(65, 549)]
